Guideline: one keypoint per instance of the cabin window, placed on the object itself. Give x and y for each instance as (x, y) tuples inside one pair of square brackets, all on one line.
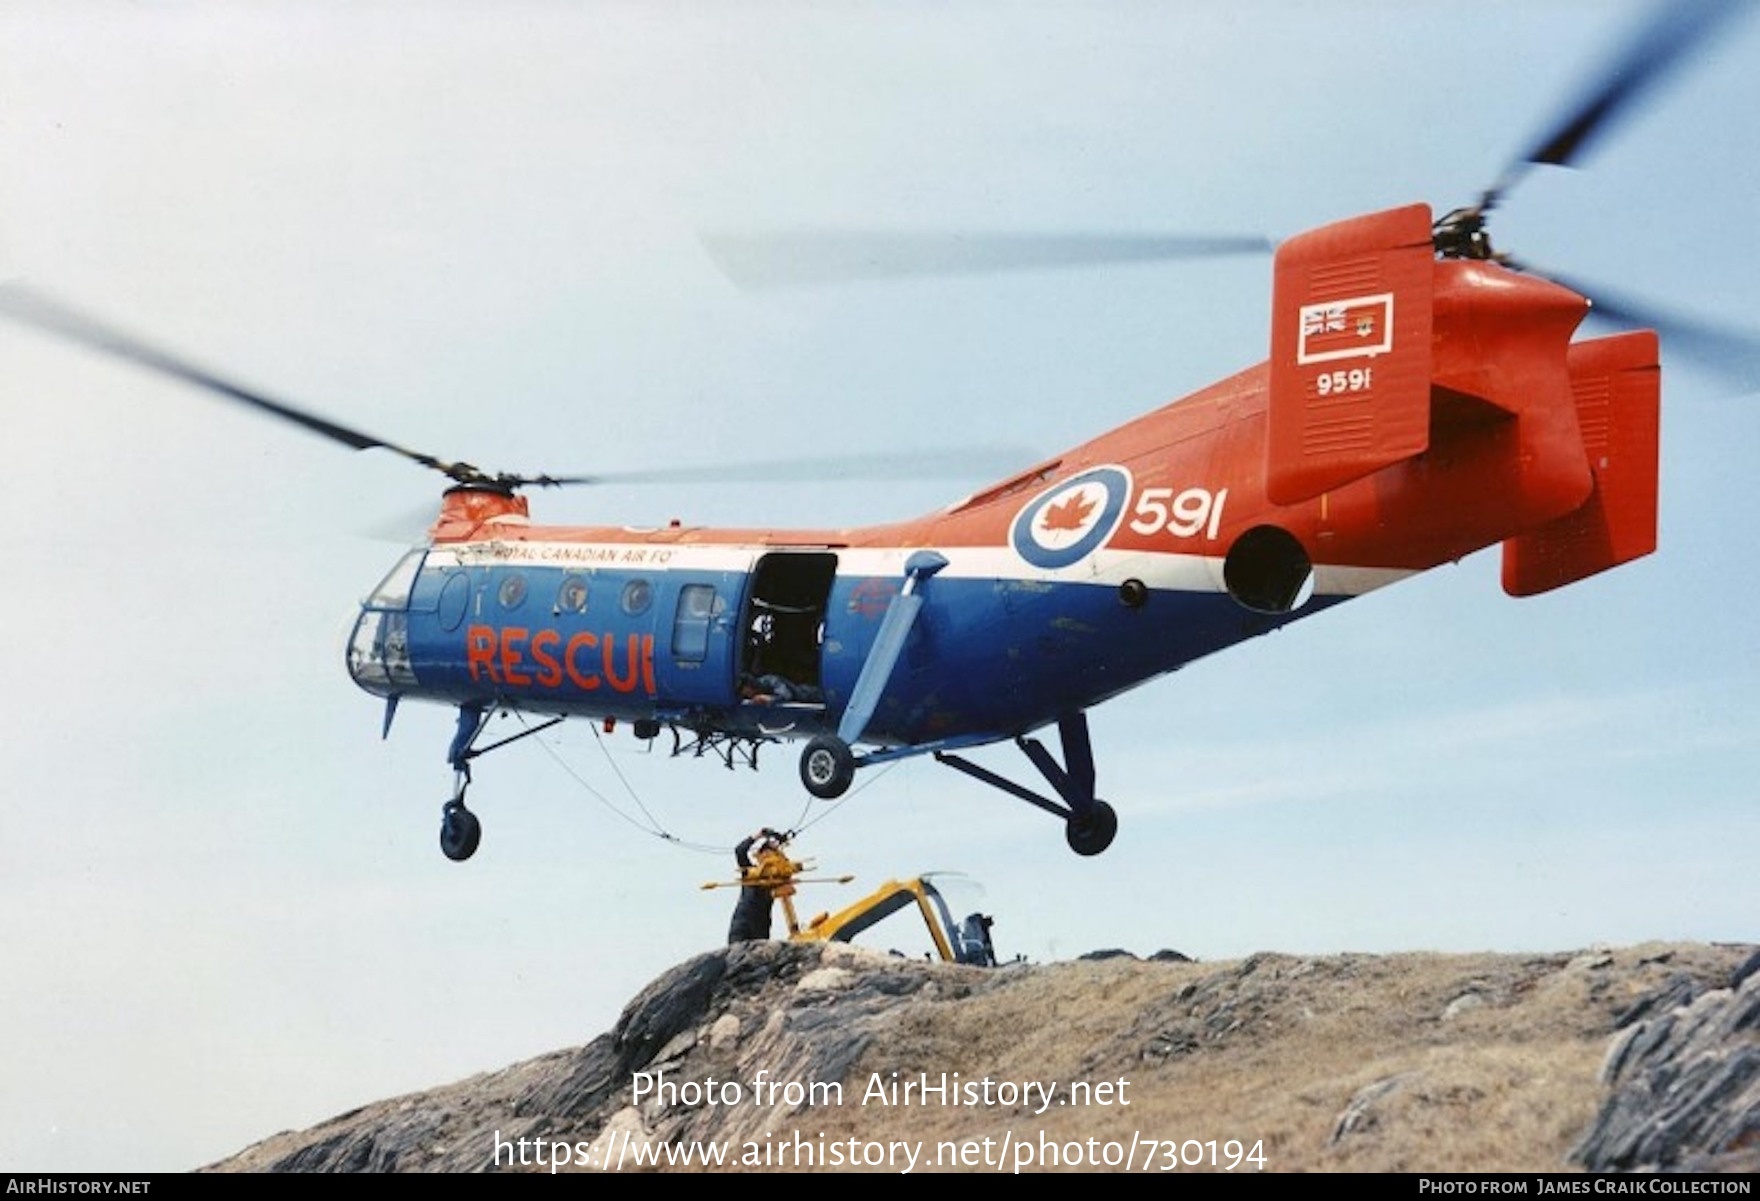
[(690, 625), (513, 591), (637, 596), (572, 596)]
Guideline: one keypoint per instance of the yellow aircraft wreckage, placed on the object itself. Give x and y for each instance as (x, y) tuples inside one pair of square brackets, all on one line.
[(769, 875)]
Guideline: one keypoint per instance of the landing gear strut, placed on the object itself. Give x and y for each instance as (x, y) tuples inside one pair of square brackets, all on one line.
[(1089, 823), (828, 765), (460, 831)]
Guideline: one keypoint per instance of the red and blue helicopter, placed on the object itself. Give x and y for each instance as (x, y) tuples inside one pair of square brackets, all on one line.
[(1425, 397)]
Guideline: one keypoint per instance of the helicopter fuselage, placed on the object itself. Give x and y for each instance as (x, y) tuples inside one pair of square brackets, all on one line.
[(1414, 411)]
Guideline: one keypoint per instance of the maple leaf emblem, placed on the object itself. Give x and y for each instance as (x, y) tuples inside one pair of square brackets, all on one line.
[(1070, 514)]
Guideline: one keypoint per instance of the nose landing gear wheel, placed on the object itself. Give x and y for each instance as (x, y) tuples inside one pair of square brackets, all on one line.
[(1092, 832), (460, 832), (827, 767)]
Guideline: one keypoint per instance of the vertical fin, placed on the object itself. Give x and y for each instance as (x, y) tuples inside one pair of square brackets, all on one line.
[(1350, 352), (1617, 386)]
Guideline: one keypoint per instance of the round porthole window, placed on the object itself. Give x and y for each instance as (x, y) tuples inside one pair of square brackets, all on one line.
[(513, 591), (572, 596), (637, 596)]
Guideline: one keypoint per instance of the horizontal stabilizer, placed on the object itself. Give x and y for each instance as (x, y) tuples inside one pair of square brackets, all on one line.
[(1616, 383)]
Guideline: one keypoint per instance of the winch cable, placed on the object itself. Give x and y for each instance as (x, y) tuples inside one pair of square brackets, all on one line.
[(654, 828), (624, 780), (803, 823)]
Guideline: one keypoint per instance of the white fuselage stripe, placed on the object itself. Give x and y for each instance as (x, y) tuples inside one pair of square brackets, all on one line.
[(1165, 571)]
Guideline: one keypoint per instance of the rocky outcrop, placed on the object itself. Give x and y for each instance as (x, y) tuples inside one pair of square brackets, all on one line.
[(801, 1013), (1685, 1076), (1353, 1062)]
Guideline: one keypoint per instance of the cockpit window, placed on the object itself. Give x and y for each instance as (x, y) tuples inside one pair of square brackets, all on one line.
[(393, 592)]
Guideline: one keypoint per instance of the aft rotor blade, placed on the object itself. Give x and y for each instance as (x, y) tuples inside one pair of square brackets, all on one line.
[(1673, 29), (1731, 353), (39, 312), (980, 462), (807, 257)]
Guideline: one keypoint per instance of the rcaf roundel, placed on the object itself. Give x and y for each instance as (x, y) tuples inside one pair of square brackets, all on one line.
[(1069, 521)]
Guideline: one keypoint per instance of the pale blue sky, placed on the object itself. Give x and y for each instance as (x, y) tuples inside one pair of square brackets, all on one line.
[(475, 229)]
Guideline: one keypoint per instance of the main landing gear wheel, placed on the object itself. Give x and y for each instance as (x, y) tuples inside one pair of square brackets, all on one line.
[(1091, 832), (827, 766), (460, 832)]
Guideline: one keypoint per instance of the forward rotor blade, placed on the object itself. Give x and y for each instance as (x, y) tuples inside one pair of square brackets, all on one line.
[(1672, 30), (808, 257), (980, 462), (39, 312)]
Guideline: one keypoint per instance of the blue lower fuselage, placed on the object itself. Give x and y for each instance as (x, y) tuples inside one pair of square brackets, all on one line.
[(774, 645)]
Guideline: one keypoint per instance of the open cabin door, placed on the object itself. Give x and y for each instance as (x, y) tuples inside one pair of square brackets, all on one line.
[(784, 628)]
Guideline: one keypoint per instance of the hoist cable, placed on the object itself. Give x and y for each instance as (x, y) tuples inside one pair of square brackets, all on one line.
[(654, 827)]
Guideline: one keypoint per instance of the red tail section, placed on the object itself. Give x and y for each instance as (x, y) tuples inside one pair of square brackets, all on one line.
[(1454, 383), (1616, 384), (1350, 352)]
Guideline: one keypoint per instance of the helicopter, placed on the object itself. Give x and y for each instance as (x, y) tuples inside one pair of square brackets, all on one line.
[(1423, 399)]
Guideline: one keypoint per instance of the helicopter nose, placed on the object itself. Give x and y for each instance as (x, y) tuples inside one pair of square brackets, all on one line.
[(378, 652)]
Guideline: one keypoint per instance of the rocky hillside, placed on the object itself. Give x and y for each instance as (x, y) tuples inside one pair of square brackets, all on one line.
[(773, 1055)]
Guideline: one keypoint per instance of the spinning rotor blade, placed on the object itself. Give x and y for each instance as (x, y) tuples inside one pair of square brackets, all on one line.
[(1672, 30), (1730, 353), (39, 312), (969, 462), (803, 258)]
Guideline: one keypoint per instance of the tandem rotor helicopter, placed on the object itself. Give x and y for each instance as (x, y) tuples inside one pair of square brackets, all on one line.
[(1423, 399)]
